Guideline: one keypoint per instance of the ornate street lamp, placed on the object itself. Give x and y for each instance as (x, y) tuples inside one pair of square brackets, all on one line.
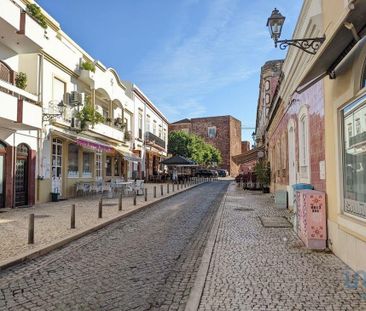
[(275, 23), (49, 116)]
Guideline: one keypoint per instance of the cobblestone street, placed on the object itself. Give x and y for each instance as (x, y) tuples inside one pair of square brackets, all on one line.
[(258, 268), (144, 262)]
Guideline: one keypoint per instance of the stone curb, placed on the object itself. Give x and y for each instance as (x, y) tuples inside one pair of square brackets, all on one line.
[(43, 250), (195, 295)]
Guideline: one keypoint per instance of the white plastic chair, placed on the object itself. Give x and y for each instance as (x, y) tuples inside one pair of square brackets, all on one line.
[(139, 187)]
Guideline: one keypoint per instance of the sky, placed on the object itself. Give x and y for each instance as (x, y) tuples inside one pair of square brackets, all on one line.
[(192, 58)]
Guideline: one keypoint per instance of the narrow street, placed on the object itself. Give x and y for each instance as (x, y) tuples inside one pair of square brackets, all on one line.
[(145, 262)]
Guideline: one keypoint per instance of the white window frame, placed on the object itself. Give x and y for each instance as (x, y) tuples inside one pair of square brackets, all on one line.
[(209, 129), (98, 166)]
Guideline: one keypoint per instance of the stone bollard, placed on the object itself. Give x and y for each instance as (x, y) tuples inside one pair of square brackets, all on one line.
[(161, 190), (154, 191), (145, 194), (120, 202), (72, 223), (31, 229), (167, 187), (135, 198), (100, 208)]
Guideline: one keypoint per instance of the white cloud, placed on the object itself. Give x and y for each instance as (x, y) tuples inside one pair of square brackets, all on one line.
[(226, 47)]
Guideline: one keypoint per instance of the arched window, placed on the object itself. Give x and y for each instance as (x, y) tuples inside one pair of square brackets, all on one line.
[(304, 144), (22, 151)]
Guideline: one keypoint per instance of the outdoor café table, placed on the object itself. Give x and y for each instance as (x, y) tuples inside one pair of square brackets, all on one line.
[(123, 185)]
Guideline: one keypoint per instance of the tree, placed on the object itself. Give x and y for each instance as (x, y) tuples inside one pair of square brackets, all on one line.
[(193, 147)]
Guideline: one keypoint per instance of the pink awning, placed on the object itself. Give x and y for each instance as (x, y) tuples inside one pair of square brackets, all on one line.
[(90, 144)]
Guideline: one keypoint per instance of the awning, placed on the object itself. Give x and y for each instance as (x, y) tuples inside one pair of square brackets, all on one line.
[(127, 155), (64, 134), (178, 161), (249, 156), (94, 145), (335, 47)]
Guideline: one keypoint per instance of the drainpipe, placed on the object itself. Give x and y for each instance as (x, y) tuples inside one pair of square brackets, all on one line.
[(40, 131)]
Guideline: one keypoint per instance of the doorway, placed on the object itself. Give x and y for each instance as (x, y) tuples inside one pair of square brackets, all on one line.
[(2, 174), (21, 175)]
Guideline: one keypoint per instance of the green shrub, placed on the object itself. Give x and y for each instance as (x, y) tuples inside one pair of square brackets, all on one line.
[(35, 11), (21, 80), (88, 115), (87, 65)]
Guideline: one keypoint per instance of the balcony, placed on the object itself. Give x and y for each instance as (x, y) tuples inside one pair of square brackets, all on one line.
[(19, 109), (358, 140), (108, 131), (152, 139), (20, 32)]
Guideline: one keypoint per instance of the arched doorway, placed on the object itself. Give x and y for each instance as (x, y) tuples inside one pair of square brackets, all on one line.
[(21, 175), (2, 174)]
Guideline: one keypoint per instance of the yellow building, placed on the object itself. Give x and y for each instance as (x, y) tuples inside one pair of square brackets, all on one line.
[(334, 154)]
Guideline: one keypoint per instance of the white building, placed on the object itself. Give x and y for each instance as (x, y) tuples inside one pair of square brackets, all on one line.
[(64, 84), (20, 108), (150, 133)]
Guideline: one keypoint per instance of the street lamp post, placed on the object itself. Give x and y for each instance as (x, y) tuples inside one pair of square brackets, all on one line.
[(275, 23)]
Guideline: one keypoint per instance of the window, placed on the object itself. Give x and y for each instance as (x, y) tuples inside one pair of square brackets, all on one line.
[(304, 144), (98, 165), (266, 85), (140, 125), (148, 123), (58, 94), (284, 152), (349, 127), (164, 135), (154, 128), (211, 131), (73, 168), (108, 166), (160, 131), (354, 160), (358, 126), (87, 164)]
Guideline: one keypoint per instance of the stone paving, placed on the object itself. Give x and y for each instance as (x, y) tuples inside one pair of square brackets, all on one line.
[(257, 268), (52, 220), (147, 261)]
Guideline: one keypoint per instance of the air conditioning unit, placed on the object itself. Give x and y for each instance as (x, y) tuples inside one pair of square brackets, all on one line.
[(75, 98)]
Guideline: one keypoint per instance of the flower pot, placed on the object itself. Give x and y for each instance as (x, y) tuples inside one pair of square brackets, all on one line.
[(54, 196), (265, 189)]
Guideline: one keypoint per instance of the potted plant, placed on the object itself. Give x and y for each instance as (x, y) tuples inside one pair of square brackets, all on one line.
[(35, 11), (88, 65), (21, 80), (55, 196), (262, 171), (118, 122), (88, 115)]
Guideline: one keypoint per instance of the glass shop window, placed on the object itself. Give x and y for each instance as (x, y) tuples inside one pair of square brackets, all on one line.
[(87, 164), (73, 168), (354, 158)]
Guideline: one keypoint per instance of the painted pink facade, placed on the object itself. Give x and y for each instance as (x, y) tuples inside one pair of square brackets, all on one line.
[(311, 101)]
